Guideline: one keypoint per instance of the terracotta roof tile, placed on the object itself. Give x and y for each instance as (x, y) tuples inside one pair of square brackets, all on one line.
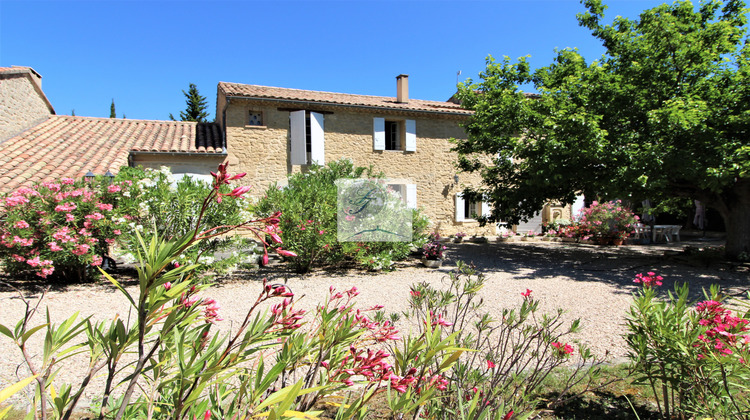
[(267, 92), (66, 146)]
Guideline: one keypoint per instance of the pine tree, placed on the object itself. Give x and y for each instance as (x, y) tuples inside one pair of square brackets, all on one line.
[(112, 113), (196, 106)]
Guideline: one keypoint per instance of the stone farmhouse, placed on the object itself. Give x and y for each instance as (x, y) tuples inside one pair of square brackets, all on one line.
[(268, 132)]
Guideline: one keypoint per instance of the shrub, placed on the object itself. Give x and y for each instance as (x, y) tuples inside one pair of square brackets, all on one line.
[(608, 220), (170, 207), (62, 229), (692, 355), (309, 226), (509, 357)]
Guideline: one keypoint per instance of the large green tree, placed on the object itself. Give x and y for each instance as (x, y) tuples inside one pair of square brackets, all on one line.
[(196, 106), (664, 113)]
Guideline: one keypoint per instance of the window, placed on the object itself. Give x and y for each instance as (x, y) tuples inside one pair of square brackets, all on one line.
[(408, 193), (307, 137), (255, 118), (394, 135), (466, 211)]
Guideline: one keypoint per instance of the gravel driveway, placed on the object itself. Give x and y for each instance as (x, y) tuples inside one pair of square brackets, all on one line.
[(590, 282)]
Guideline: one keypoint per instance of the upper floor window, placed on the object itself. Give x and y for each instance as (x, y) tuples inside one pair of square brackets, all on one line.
[(394, 135)]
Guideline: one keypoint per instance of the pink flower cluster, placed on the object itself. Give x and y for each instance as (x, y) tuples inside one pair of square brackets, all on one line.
[(58, 222), (724, 331), (649, 280), (563, 349)]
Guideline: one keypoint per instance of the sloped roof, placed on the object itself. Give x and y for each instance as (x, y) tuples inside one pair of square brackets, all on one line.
[(66, 146), (341, 99)]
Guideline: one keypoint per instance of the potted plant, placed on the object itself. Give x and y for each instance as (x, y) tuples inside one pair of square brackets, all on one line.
[(459, 237), (529, 236), (479, 239), (432, 252), (604, 222), (507, 236)]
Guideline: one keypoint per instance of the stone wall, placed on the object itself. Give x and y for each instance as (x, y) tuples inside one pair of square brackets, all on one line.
[(263, 152), (21, 105)]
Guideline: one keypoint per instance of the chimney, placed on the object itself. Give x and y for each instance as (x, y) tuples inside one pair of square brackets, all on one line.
[(402, 88)]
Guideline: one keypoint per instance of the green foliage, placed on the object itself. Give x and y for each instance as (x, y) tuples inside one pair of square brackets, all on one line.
[(112, 113), (196, 106), (662, 114), (170, 207), (692, 356), (509, 356), (309, 222)]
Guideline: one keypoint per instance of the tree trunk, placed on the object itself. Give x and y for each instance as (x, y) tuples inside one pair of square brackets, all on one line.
[(737, 221)]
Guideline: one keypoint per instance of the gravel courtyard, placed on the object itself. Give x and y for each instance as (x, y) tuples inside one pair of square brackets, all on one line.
[(590, 282)]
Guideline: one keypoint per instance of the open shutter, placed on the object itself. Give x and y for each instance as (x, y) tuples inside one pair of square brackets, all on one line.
[(317, 139), (411, 196), (378, 133), (486, 209), (298, 133), (459, 207), (411, 136)]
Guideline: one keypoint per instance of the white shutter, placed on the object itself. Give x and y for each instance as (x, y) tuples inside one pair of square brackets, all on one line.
[(411, 196), (317, 139), (411, 136), (486, 209), (378, 133), (298, 134), (459, 207)]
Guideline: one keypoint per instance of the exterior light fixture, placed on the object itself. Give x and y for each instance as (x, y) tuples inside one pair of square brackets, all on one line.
[(455, 178), (89, 176), (110, 177)]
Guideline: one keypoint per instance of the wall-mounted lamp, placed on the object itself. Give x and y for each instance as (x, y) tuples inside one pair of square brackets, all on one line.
[(455, 178)]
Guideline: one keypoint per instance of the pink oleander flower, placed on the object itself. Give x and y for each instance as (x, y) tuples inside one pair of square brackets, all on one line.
[(563, 350), (95, 216), (21, 224), (97, 260), (69, 217), (117, 232), (490, 364), (19, 258), (65, 207), (648, 280), (114, 188), (81, 249), (283, 252), (349, 218), (53, 246), (47, 271), (167, 285), (67, 181), (104, 207), (527, 293)]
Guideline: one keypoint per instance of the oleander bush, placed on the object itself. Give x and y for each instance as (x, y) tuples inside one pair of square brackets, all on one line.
[(692, 355), (309, 225), (61, 230)]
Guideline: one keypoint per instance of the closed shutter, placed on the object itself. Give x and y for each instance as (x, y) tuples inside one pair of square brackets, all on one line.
[(411, 196), (460, 207), (317, 139), (411, 136), (378, 133), (298, 134)]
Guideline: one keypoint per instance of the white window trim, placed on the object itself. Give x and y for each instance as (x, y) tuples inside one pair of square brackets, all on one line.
[(460, 216), (298, 134)]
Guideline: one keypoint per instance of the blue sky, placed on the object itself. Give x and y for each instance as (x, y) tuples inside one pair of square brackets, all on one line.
[(143, 54)]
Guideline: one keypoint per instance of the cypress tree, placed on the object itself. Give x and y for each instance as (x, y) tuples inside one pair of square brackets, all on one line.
[(112, 113)]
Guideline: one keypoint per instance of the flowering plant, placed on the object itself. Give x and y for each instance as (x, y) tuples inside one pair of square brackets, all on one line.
[(63, 228), (461, 235), (433, 250), (607, 220)]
